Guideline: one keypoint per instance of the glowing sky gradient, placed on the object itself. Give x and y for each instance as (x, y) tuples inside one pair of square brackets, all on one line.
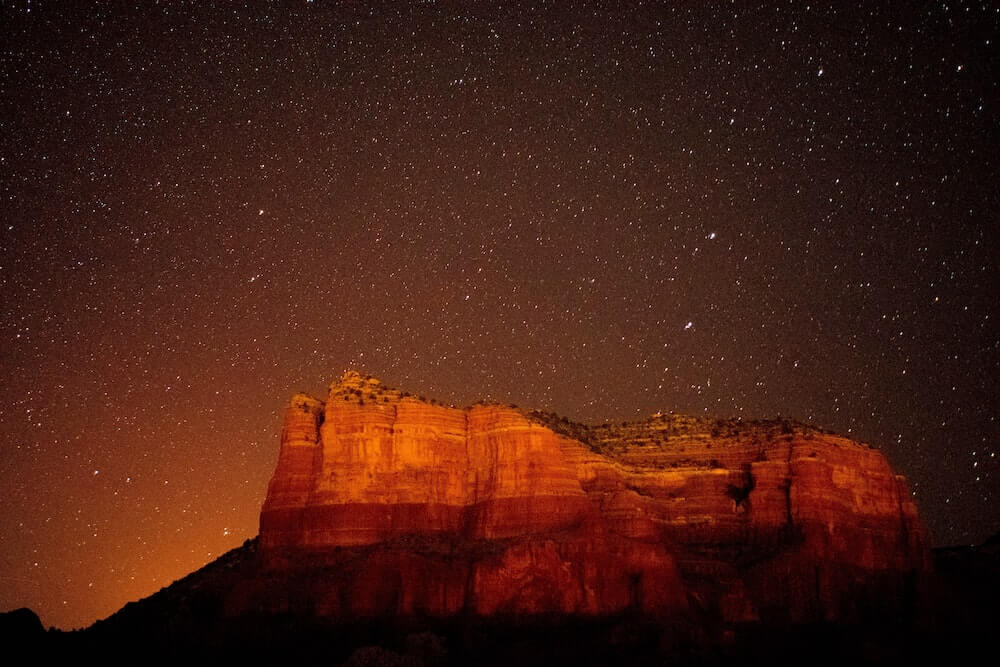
[(730, 209)]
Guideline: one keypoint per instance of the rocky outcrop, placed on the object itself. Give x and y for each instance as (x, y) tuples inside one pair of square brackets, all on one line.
[(773, 520), (354, 472), (413, 508)]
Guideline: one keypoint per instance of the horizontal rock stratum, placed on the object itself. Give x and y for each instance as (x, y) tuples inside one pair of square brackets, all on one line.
[(397, 506)]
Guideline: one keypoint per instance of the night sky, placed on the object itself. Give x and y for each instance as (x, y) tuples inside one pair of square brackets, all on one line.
[(723, 210)]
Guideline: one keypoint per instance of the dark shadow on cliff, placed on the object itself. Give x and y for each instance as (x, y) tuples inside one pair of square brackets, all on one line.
[(187, 623)]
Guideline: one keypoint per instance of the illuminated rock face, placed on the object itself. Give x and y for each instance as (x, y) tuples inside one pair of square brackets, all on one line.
[(417, 508), (353, 474)]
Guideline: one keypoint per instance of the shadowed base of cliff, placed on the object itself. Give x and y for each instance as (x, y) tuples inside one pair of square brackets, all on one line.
[(548, 641), (192, 621)]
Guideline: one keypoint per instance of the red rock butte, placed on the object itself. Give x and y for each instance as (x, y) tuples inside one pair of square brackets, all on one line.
[(407, 507)]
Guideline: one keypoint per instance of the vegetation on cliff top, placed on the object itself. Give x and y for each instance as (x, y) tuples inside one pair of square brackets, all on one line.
[(661, 429)]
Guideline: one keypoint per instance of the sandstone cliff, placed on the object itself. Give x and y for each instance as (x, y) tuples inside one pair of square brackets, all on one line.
[(412, 508)]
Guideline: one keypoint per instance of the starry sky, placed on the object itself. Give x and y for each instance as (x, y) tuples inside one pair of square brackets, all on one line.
[(719, 208)]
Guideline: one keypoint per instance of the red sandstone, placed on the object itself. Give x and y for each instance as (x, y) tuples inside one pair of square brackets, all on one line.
[(424, 509)]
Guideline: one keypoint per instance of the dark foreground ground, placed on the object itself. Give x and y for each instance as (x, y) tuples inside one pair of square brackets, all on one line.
[(623, 641), (958, 620)]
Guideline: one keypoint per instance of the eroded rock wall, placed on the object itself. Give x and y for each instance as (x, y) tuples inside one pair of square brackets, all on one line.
[(427, 509)]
